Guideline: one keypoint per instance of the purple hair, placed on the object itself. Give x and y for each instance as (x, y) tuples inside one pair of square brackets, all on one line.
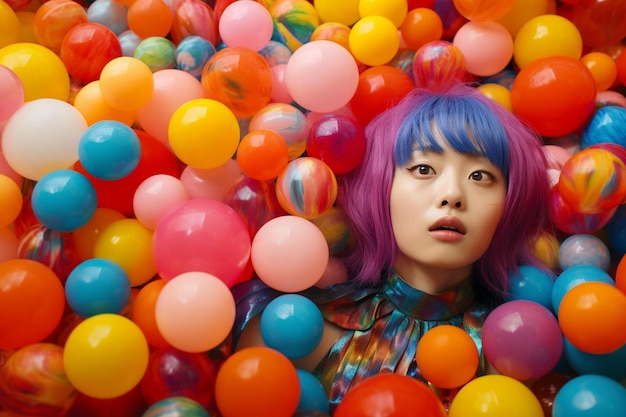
[(470, 123)]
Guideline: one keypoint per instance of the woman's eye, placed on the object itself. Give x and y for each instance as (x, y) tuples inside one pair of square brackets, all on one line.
[(481, 176), (422, 169)]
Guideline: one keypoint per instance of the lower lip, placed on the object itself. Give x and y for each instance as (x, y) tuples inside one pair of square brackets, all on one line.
[(446, 235)]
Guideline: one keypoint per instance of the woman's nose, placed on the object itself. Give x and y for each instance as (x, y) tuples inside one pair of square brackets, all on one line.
[(456, 204)]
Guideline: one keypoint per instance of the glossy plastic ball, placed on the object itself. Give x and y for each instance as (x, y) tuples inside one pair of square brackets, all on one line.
[(307, 187), (97, 286), (64, 200), (87, 48), (293, 325), (593, 181), (555, 95), (109, 150), (239, 78)]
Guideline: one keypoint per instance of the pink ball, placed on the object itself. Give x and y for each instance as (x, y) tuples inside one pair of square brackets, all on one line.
[(289, 254), (280, 93), (486, 46), (155, 196), (172, 88), (11, 91), (522, 339), (322, 76), (195, 312), (211, 183), (204, 235), (247, 24)]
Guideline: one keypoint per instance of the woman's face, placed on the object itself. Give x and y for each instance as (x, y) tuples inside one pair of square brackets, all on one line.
[(445, 208)]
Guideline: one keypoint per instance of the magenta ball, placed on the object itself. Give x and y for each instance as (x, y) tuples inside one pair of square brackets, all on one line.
[(338, 140), (522, 339), (201, 235)]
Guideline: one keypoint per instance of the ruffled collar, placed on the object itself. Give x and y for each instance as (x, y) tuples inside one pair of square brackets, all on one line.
[(423, 306)]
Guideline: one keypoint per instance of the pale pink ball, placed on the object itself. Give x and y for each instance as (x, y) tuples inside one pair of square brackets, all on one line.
[(211, 183), (486, 46), (155, 196)]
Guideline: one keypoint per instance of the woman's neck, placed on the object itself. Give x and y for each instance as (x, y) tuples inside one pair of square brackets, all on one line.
[(432, 280)]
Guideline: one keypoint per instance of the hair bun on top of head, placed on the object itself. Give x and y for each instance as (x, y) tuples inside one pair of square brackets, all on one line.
[(438, 65)]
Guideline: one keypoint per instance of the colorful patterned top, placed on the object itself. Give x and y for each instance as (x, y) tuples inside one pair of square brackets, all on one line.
[(383, 326)]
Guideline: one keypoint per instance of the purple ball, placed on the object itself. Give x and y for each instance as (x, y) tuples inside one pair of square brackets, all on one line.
[(522, 339)]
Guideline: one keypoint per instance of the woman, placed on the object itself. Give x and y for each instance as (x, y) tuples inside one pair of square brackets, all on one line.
[(448, 201)]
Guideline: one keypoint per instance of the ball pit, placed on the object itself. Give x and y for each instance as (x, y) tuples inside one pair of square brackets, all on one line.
[(155, 153)]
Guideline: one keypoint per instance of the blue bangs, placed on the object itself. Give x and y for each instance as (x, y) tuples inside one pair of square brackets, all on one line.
[(466, 124)]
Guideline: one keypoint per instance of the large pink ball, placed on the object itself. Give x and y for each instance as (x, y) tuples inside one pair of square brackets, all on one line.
[(522, 339), (202, 235), (322, 76), (289, 253), (471, 39), (247, 24)]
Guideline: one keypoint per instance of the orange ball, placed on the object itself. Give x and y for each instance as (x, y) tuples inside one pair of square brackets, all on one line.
[(262, 154), (32, 301), (150, 18), (602, 67), (12, 200), (91, 105), (54, 18), (257, 381), (143, 313), (447, 356), (421, 25), (126, 83), (592, 316)]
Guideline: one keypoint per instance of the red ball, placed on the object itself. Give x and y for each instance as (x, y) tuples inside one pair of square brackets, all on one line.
[(338, 140), (390, 395), (379, 88), (87, 48), (555, 95)]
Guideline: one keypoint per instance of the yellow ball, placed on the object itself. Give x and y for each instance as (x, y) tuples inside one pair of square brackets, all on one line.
[(494, 396), (129, 244), (374, 40), (545, 36), (126, 83), (204, 133), (345, 12), (498, 93), (10, 28), (42, 72), (105, 356), (394, 10)]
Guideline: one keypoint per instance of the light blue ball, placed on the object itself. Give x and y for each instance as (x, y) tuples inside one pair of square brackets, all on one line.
[(611, 365), (64, 200), (109, 150), (97, 286), (532, 284), (293, 325), (590, 396), (312, 393), (607, 125)]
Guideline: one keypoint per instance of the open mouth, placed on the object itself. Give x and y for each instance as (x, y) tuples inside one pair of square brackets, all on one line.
[(449, 225)]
